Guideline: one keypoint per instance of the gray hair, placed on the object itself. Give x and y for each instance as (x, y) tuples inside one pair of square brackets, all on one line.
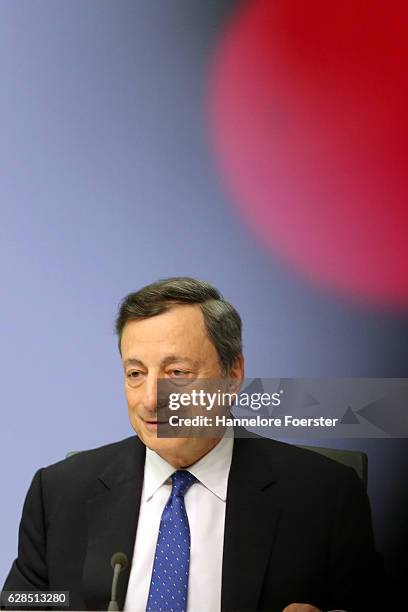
[(222, 321)]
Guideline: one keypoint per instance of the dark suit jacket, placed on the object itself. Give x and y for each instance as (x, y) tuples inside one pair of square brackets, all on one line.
[(297, 529)]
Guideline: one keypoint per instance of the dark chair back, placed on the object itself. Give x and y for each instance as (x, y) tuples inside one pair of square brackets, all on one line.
[(355, 459)]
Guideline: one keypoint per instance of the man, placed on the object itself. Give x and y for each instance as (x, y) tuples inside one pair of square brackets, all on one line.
[(208, 524)]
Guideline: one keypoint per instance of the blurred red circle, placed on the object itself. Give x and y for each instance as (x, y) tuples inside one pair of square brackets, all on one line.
[(308, 109)]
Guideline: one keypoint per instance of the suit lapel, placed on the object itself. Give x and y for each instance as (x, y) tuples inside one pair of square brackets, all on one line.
[(112, 521), (252, 515)]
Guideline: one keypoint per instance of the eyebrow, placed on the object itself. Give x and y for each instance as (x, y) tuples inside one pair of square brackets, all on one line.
[(133, 361), (164, 362), (172, 358)]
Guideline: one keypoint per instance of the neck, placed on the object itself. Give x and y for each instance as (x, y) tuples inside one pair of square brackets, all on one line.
[(181, 459)]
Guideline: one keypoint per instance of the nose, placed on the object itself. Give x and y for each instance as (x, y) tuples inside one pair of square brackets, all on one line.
[(149, 398)]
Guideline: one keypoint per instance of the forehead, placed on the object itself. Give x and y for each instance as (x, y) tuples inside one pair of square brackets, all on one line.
[(179, 330)]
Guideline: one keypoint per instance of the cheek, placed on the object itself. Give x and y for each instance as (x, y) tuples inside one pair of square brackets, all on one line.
[(131, 398)]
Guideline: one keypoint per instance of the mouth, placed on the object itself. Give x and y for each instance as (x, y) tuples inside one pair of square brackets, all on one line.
[(151, 423)]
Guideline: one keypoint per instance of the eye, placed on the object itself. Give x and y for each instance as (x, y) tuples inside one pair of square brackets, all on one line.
[(134, 374), (134, 378), (180, 373), (179, 377)]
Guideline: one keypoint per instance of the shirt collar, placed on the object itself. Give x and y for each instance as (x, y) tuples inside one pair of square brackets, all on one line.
[(212, 470)]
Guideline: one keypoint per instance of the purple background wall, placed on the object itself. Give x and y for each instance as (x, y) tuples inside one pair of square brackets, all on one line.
[(108, 182)]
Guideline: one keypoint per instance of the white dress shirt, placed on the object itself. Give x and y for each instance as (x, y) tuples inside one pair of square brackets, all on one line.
[(205, 505)]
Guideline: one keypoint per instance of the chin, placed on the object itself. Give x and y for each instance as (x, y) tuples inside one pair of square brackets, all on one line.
[(151, 440), (165, 444)]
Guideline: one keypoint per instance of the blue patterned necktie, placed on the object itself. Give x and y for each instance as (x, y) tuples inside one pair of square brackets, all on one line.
[(169, 583)]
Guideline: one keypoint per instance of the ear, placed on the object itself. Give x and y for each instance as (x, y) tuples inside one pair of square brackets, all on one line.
[(236, 374)]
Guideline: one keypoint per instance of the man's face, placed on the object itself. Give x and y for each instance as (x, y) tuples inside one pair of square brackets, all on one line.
[(171, 345)]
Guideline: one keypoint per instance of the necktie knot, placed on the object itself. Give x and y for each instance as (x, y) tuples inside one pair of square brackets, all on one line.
[(181, 482)]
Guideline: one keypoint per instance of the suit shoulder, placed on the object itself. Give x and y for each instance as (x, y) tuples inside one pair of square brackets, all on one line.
[(86, 464)]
